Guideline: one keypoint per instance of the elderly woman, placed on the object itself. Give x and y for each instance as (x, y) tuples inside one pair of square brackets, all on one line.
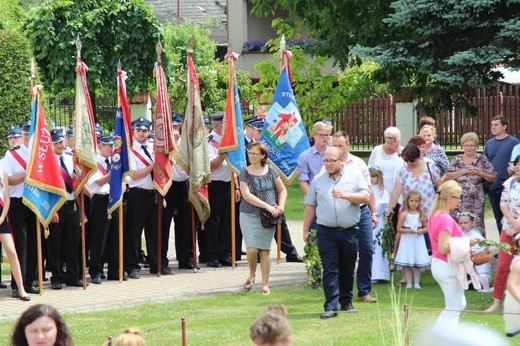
[(387, 157), (432, 150), (470, 169), (261, 188)]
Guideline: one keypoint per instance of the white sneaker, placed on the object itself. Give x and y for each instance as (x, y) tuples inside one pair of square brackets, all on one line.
[(409, 286), (417, 286), (486, 291)]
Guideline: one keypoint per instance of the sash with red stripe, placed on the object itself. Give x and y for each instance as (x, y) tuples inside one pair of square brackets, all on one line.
[(141, 158), (19, 159), (66, 179), (102, 169)]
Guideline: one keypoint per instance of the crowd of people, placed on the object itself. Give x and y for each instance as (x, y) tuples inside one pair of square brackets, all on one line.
[(416, 187)]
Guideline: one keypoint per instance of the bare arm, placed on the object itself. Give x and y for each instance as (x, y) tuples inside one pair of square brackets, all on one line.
[(253, 200), (282, 195), (400, 224), (308, 216), (16, 179), (394, 197), (216, 162), (444, 239), (143, 172), (512, 220), (7, 198), (304, 185)]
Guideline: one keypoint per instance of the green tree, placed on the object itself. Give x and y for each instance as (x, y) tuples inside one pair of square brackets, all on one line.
[(213, 74), (448, 47), (15, 69), (110, 31), (336, 24)]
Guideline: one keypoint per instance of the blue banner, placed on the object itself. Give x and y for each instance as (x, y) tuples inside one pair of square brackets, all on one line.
[(119, 164), (284, 134)]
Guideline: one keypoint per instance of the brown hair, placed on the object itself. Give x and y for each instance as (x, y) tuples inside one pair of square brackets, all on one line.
[(411, 152), (263, 151), (417, 140), (130, 337), (426, 121)]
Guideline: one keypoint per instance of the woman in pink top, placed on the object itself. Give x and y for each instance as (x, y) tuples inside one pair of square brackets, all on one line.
[(441, 228)]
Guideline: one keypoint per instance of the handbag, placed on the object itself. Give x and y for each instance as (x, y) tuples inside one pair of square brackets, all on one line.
[(479, 258), (268, 220)]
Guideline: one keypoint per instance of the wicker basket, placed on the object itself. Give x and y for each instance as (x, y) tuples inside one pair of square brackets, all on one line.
[(481, 257)]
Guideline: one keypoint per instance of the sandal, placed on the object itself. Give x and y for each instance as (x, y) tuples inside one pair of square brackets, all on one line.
[(249, 283), (266, 291)]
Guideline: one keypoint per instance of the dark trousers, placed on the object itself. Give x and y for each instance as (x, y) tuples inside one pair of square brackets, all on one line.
[(23, 225), (366, 252), (218, 226), (141, 213), (338, 252), (111, 250), (178, 207), (494, 200), (238, 233), (63, 243), (98, 233)]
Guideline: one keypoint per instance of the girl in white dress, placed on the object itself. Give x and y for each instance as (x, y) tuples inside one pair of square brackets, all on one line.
[(380, 270), (412, 254), (466, 221)]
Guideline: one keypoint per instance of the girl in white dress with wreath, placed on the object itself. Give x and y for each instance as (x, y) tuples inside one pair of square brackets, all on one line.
[(380, 270), (412, 254)]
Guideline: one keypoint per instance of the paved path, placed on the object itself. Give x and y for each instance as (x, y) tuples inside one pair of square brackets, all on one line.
[(184, 284)]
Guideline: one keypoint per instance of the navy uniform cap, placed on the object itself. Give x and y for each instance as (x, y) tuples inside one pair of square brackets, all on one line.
[(69, 132), (106, 139), (141, 124), (26, 127), (57, 135), (217, 117), (258, 124), (248, 122), (177, 118), (14, 131)]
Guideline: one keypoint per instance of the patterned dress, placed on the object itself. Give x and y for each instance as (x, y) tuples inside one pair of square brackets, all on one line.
[(424, 183), (473, 196), (437, 155)]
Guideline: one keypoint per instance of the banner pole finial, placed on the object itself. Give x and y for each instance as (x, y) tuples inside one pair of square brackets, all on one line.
[(79, 45)]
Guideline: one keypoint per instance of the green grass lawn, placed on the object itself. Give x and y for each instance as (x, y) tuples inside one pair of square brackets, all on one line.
[(225, 319)]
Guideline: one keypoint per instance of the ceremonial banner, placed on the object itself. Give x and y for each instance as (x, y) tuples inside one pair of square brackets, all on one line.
[(232, 144), (120, 165), (84, 132), (193, 150), (44, 189), (284, 134), (164, 146)]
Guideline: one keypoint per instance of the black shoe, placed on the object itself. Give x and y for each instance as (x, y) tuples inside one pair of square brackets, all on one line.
[(103, 277), (328, 314), (186, 265), (143, 260), (226, 263), (15, 293), (294, 258), (214, 264), (348, 308), (96, 281), (116, 278), (75, 283), (167, 271), (134, 274), (32, 290), (56, 285), (2, 285), (25, 298)]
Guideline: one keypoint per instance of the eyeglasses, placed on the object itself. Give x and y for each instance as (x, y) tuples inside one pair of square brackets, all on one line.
[(330, 161), (391, 138), (253, 154), (469, 146), (322, 135)]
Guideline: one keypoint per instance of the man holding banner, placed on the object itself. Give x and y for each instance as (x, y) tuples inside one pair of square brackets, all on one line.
[(21, 219), (63, 240)]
